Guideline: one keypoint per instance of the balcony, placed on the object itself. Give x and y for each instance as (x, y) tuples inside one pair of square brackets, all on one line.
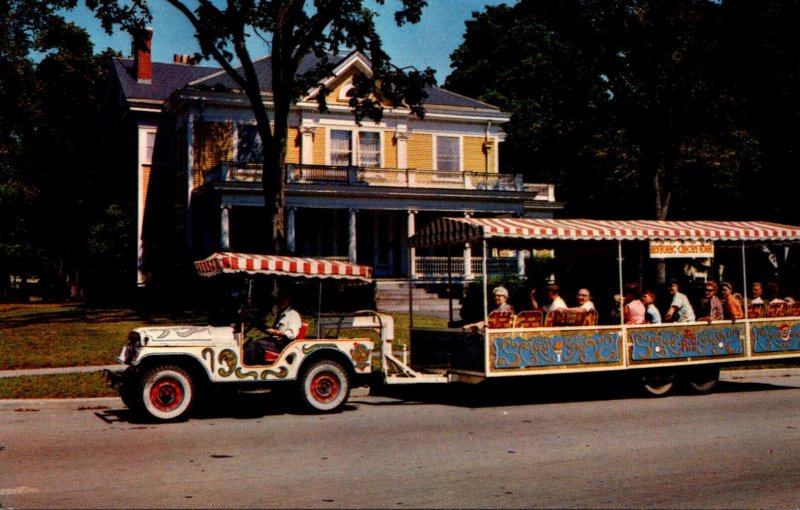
[(390, 177)]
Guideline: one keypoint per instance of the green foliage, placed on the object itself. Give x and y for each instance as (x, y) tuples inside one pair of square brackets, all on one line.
[(644, 108)]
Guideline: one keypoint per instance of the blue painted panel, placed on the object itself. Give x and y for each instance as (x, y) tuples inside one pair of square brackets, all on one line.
[(686, 342), (776, 337), (556, 349)]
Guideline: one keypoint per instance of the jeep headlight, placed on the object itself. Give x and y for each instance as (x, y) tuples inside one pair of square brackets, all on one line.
[(132, 348)]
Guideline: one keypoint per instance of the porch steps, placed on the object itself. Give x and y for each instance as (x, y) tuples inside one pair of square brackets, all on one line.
[(392, 296)]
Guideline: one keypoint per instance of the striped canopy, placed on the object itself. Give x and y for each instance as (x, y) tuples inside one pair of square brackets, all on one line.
[(460, 230), (229, 262)]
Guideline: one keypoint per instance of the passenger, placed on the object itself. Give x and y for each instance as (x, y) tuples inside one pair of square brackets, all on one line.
[(532, 295), (613, 313), (501, 300), (773, 294), (285, 329), (756, 290), (501, 305), (651, 313), (731, 306), (680, 310), (710, 305), (555, 302), (585, 300), (634, 309)]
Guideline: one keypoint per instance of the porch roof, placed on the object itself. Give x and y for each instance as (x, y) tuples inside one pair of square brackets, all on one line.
[(460, 230), (232, 263)]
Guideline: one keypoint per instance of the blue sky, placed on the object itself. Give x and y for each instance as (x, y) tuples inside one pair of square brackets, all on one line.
[(426, 44)]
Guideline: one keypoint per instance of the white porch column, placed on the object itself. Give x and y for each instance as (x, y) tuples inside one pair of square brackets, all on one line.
[(521, 262), (225, 227), (307, 145), (351, 245), (468, 257), (401, 136), (412, 252), (290, 230)]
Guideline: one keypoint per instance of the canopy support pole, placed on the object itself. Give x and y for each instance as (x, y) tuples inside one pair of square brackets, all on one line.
[(410, 295), (621, 289), (319, 309), (484, 270), (747, 337), (449, 285)]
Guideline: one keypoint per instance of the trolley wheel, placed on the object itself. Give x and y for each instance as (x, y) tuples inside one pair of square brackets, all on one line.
[(324, 386), (703, 380), (167, 392), (658, 383)]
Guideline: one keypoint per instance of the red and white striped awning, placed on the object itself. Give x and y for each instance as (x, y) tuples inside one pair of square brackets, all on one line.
[(229, 262), (460, 230)]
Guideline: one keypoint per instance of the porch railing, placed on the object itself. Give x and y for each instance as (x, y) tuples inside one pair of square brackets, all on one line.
[(436, 267), (364, 176)]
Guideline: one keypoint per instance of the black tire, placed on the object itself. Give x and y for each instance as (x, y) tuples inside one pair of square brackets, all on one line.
[(658, 383), (129, 395), (166, 392), (324, 386), (702, 381)]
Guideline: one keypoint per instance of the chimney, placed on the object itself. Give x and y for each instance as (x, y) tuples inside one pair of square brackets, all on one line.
[(142, 61)]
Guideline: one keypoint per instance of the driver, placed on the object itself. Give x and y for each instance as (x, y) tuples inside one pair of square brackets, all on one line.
[(285, 329)]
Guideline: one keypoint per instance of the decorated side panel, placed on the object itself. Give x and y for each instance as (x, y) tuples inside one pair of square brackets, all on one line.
[(776, 336), (532, 350), (684, 342)]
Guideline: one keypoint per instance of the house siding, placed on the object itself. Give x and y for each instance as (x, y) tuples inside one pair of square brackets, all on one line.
[(213, 144), (420, 151)]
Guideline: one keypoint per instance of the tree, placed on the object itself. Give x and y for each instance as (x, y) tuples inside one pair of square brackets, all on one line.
[(618, 101), (297, 30)]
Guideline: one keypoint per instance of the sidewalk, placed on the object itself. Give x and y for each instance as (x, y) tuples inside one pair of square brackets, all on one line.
[(58, 370)]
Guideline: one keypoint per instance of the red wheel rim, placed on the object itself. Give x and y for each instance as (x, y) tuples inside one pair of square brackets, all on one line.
[(324, 387), (166, 394)]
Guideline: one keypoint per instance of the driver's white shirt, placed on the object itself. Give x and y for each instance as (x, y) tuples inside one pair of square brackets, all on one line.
[(289, 323)]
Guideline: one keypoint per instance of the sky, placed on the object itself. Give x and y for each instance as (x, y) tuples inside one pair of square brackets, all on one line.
[(426, 44)]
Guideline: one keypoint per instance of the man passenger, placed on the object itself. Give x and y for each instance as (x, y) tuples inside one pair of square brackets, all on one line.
[(680, 310)]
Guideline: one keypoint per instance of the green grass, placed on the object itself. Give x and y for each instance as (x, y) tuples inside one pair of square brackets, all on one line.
[(48, 335), (84, 385), (65, 335)]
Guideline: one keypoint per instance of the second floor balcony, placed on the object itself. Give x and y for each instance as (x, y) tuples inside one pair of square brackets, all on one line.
[(389, 177)]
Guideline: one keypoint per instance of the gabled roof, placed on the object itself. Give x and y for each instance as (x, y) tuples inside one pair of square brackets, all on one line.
[(169, 77)]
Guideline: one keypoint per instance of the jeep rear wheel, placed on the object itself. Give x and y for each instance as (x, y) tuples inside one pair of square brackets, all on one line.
[(167, 392), (324, 386)]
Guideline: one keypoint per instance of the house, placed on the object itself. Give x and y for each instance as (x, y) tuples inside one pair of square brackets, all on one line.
[(353, 192)]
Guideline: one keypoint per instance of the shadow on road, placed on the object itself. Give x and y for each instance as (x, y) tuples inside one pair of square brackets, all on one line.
[(217, 405), (542, 390)]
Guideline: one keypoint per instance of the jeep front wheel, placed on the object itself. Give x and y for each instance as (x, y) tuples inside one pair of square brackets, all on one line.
[(324, 386), (167, 392)]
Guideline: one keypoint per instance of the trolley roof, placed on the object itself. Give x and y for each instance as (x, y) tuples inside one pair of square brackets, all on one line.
[(230, 262), (460, 230)]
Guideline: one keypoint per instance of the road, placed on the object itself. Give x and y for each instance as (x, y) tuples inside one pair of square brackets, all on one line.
[(536, 445)]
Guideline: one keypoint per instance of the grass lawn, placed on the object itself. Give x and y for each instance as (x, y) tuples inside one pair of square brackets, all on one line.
[(65, 335)]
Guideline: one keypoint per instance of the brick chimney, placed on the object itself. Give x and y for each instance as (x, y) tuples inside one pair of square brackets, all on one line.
[(142, 61)]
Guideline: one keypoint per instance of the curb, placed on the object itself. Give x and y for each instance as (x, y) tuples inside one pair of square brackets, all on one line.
[(57, 370)]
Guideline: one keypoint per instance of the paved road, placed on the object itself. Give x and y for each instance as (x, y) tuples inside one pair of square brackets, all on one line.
[(534, 446)]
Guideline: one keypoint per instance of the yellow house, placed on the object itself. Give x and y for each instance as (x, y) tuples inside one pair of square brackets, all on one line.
[(353, 191)]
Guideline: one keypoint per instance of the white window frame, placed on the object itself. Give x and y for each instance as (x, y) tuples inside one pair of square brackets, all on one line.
[(355, 146), (447, 174)]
